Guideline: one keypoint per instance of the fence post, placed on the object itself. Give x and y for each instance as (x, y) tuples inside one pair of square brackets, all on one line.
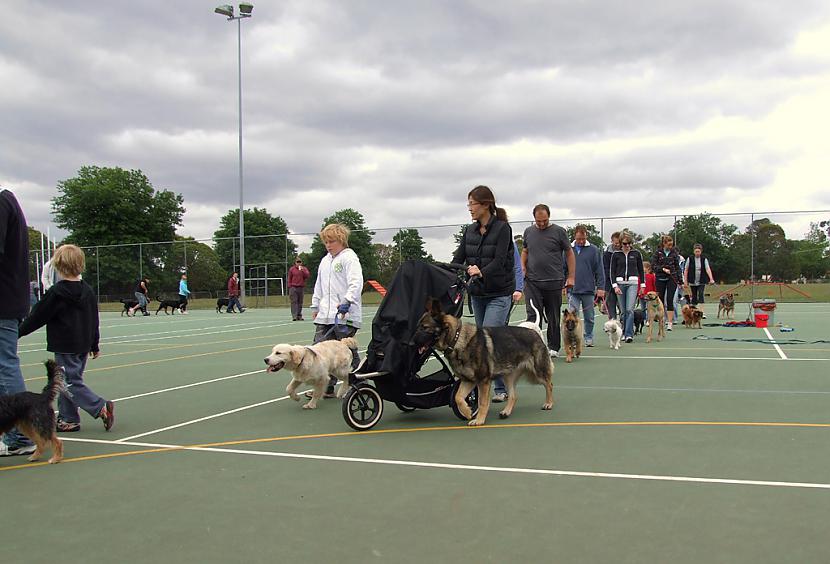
[(140, 262), (185, 256), (98, 273), (752, 258)]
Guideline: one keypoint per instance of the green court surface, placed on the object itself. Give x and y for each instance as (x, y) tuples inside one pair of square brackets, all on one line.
[(685, 450)]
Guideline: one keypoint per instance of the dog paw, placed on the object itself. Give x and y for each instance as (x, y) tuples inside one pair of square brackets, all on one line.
[(294, 396), (547, 406), (310, 405), (475, 423), (34, 458), (503, 414)]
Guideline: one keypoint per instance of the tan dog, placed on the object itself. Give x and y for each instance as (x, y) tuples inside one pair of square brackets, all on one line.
[(726, 305), (691, 316), (571, 334), (313, 365), (655, 313)]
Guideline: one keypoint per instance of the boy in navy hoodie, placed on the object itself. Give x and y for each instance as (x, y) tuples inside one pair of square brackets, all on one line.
[(70, 312)]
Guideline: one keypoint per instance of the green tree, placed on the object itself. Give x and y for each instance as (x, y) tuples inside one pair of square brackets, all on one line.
[(360, 241), (109, 206), (715, 236), (594, 236), (201, 264), (266, 242), (388, 262), (409, 245)]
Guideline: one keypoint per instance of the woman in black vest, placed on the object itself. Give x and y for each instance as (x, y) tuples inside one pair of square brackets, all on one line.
[(697, 274), (666, 267), (487, 250)]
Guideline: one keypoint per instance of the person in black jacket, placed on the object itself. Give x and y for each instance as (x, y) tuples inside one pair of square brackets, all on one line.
[(666, 266), (488, 251), (627, 276), (70, 312)]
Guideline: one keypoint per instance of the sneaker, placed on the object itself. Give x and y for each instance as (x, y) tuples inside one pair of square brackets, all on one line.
[(589, 343), (629, 339), (668, 326), (63, 426), (704, 316), (107, 415), (185, 313), (554, 354), (243, 310), (6, 450), (499, 398)]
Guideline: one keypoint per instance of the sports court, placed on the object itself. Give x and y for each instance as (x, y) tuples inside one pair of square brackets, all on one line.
[(688, 450)]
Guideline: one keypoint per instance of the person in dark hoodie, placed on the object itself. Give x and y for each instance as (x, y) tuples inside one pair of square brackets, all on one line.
[(70, 312)]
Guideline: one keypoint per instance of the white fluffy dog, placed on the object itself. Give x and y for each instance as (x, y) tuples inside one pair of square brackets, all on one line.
[(312, 365), (534, 325), (614, 330)]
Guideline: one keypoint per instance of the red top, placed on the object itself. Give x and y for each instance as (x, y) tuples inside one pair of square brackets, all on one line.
[(233, 287), (297, 275), (651, 284)]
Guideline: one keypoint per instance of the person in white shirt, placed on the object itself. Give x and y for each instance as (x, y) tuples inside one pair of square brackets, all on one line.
[(696, 274)]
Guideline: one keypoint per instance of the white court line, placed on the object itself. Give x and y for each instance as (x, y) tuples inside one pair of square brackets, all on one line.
[(774, 344), (693, 390), (718, 358), (467, 467), (214, 416), (182, 387)]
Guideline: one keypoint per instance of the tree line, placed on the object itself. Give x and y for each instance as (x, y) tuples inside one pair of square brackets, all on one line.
[(113, 212)]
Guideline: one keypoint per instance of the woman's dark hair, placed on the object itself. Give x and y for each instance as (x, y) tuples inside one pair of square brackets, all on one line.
[(483, 195)]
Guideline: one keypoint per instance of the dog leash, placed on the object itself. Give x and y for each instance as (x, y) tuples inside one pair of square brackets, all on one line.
[(762, 341)]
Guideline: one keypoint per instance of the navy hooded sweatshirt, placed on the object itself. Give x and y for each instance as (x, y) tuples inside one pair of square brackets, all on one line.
[(70, 312)]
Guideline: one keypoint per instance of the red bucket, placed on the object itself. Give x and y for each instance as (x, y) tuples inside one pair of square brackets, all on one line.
[(761, 320)]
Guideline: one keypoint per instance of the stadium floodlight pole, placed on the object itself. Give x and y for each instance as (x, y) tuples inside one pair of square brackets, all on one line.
[(245, 10)]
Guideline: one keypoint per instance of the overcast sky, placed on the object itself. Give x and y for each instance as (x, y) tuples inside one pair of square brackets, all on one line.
[(397, 109)]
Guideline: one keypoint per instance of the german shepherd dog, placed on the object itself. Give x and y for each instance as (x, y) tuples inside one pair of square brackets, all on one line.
[(172, 304), (655, 313), (477, 356), (726, 305), (571, 334), (34, 416)]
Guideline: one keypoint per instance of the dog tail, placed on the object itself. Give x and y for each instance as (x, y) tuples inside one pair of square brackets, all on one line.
[(55, 381), (538, 317), (350, 342)]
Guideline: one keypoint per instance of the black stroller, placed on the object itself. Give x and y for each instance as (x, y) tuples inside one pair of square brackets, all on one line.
[(390, 370)]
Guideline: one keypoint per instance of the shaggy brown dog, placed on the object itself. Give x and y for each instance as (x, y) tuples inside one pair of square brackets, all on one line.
[(726, 305), (477, 356), (571, 334), (655, 313), (691, 316)]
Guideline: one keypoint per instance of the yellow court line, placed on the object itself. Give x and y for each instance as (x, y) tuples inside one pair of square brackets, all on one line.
[(422, 429)]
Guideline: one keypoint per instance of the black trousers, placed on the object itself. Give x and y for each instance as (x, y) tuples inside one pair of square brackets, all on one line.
[(697, 293), (547, 297)]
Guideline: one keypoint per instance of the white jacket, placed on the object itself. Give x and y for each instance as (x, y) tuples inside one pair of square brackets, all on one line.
[(339, 281)]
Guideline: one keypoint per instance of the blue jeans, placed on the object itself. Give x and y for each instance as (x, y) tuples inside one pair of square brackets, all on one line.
[(233, 301), (627, 301), (11, 378), (492, 312), (585, 302), (81, 395)]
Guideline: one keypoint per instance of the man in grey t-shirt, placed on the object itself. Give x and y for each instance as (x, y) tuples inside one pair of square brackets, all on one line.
[(545, 247)]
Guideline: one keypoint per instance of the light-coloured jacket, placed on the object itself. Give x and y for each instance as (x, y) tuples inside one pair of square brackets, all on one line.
[(339, 281)]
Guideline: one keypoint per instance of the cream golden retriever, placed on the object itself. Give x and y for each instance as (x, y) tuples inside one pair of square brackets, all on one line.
[(312, 365)]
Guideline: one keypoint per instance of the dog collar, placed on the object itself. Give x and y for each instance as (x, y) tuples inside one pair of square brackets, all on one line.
[(454, 340)]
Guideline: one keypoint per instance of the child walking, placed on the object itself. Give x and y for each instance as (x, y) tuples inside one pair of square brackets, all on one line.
[(70, 313)]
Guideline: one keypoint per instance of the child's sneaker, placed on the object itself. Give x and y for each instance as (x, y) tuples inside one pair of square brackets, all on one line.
[(6, 450), (63, 426), (107, 415)]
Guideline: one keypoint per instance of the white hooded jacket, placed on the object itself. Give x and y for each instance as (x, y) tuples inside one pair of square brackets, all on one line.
[(339, 281)]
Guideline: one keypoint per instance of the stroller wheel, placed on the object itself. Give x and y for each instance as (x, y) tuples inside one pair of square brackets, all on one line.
[(362, 407), (472, 401), (404, 408)]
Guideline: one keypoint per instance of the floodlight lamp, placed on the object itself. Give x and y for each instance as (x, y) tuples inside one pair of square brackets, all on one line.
[(246, 8), (225, 10)]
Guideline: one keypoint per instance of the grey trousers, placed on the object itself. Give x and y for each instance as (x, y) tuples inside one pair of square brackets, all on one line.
[(295, 294), (82, 396)]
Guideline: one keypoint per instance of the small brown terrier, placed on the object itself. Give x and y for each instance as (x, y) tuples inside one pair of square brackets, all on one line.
[(691, 316), (571, 334)]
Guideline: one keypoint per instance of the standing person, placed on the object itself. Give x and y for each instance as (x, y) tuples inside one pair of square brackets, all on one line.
[(588, 281), (142, 296), (627, 275), (545, 245), (666, 266), (696, 274), (297, 276), (70, 312), (233, 294), (651, 286), (336, 304), (14, 288), (488, 250), (184, 293), (610, 296)]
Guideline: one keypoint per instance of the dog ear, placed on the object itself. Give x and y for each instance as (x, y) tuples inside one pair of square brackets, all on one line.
[(434, 307), (296, 355)]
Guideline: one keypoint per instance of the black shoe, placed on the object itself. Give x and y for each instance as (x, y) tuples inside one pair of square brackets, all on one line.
[(629, 339)]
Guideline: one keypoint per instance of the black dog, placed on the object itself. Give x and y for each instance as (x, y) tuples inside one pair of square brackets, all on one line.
[(220, 303), (34, 416), (173, 304), (128, 303), (639, 321)]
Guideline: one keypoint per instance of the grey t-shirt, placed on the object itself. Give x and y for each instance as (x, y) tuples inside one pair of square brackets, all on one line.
[(545, 250)]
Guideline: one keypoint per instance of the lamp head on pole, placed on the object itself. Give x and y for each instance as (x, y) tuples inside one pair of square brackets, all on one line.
[(225, 10), (246, 8)]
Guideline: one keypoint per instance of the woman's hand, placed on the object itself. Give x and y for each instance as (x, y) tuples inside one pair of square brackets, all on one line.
[(667, 270), (618, 291), (517, 295), (473, 270)]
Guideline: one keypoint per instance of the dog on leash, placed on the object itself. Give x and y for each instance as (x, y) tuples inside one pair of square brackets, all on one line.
[(128, 303), (691, 316), (639, 321), (571, 334), (172, 304), (222, 303), (312, 365), (34, 415), (478, 355), (726, 305), (615, 333), (656, 314)]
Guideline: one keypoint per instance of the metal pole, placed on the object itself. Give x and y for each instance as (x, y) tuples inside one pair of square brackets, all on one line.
[(241, 208), (185, 256), (751, 263), (140, 263), (98, 273)]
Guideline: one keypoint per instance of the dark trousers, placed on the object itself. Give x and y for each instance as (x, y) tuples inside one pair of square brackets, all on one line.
[(329, 333), (666, 290), (233, 301), (183, 301), (547, 297), (295, 295), (697, 293)]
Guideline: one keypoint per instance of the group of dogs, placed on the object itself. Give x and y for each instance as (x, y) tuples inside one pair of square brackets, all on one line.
[(174, 305)]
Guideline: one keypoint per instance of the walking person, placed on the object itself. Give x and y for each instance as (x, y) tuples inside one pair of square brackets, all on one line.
[(69, 310), (627, 276), (233, 294), (184, 294), (697, 273), (297, 276), (14, 287), (666, 266), (142, 296), (610, 301), (488, 250), (589, 281), (546, 247), (336, 304)]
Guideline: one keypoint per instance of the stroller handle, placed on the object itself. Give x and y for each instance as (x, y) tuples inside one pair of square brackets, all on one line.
[(454, 266)]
